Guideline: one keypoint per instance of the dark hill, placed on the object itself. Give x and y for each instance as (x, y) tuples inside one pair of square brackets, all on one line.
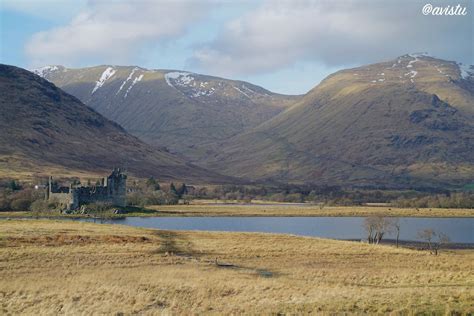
[(44, 130)]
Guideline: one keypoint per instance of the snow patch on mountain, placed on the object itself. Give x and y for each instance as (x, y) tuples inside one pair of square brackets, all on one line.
[(418, 55), (134, 82), (465, 70), (107, 74), (241, 92), (199, 93), (247, 89), (180, 78), (186, 80), (412, 74), (43, 71), (411, 62), (127, 80)]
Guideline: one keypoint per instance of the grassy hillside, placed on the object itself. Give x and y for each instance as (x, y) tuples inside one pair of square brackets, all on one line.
[(51, 267), (404, 122), (185, 112), (47, 131)]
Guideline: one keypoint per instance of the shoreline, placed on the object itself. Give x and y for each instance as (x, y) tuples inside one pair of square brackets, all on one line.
[(261, 210), (403, 243)]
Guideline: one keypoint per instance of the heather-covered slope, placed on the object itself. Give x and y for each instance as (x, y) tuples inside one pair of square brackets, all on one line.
[(43, 128), (405, 122), (185, 112)]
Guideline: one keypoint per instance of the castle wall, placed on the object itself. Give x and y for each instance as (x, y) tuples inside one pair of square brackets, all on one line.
[(66, 200), (113, 190)]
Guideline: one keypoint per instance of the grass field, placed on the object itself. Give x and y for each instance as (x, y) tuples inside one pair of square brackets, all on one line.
[(51, 267), (299, 210), (271, 209)]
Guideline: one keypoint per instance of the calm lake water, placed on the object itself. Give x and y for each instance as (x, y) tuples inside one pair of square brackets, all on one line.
[(460, 230)]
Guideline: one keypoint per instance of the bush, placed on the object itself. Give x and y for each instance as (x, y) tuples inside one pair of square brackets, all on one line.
[(4, 203), (294, 198), (135, 199), (142, 199), (98, 207), (453, 200), (43, 206), (20, 204)]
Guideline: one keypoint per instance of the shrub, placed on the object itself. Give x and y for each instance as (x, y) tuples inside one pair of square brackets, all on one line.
[(453, 200), (98, 207), (21, 200), (4, 203), (42, 205), (20, 204), (136, 199), (294, 198), (142, 199)]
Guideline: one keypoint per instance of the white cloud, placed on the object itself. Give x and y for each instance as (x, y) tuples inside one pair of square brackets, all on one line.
[(111, 31), (279, 34)]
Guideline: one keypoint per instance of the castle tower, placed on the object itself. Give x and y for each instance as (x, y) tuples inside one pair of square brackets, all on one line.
[(117, 187)]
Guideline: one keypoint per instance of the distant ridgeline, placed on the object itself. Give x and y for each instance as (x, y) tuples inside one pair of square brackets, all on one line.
[(112, 190)]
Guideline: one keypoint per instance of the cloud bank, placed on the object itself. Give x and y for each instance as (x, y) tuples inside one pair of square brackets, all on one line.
[(279, 34), (269, 37), (112, 31)]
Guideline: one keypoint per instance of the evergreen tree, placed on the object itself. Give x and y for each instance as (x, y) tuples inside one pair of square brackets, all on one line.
[(182, 190), (152, 183), (173, 189), (14, 186)]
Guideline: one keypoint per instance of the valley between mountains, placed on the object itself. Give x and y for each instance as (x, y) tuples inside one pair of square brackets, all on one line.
[(402, 122)]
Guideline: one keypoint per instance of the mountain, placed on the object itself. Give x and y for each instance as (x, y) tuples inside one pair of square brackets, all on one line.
[(405, 122), (185, 112), (43, 129)]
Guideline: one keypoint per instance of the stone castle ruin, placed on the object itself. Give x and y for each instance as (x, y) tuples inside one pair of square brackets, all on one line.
[(112, 190)]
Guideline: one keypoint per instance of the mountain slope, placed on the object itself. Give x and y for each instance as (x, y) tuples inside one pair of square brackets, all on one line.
[(403, 122), (43, 128), (186, 112)]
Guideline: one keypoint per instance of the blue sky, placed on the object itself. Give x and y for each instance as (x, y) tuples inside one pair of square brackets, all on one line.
[(285, 46)]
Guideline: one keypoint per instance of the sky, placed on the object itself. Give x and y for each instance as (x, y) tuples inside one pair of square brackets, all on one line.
[(284, 46)]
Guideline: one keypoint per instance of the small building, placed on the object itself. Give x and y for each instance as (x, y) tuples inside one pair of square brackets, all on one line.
[(111, 190)]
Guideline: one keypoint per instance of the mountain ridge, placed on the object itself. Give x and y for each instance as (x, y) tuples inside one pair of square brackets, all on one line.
[(180, 110), (400, 122), (44, 127)]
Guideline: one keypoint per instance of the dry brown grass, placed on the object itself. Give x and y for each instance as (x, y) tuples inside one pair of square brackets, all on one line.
[(212, 209), (51, 267)]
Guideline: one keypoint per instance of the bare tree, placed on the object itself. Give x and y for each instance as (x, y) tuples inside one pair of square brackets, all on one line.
[(369, 225), (376, 227), (396, 226), (434, 239)]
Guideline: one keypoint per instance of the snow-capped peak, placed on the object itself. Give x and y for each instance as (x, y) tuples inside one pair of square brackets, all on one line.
[(43, 71), (418, 55)]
